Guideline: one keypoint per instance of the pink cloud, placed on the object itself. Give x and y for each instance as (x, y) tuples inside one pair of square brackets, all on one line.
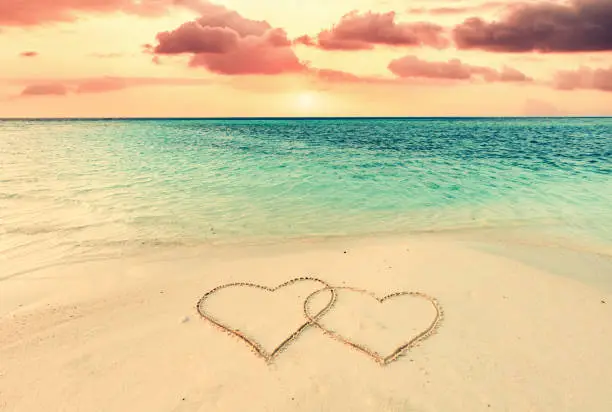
[(535, 107), (252, 57), (305, 40), (413, 67), (339, 76), (576, 26), (35, 12), (192, 37), (103, 85), (225, 42), (29, 54), (363, 31), (441, 11), (509, 74), (585, 78), (45, 89), (62, 87)]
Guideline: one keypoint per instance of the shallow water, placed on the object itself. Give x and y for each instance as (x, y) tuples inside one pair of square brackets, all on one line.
[(77, 188)]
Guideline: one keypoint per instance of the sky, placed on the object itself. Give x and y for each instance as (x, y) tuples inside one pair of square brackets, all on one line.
[(228, 58)]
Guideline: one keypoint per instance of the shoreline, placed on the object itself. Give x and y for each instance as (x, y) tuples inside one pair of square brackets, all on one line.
[(501, 240)]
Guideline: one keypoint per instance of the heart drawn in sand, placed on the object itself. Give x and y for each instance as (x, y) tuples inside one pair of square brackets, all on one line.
[(317, 320), (249, 340)]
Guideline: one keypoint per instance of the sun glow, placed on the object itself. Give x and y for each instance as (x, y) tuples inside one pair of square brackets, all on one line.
[(306, 101)]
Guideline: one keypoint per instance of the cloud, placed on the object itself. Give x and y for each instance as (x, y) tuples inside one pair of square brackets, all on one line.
[(36, 12), (29, 54), (584, 78), (578, 26), (193, 37), (103, 85), (225, 42), (411, 70), (442, 11), (413, 67), (509, 74), (339, 76), (535, 107), (364, 31), (62, 87), (45, 89)]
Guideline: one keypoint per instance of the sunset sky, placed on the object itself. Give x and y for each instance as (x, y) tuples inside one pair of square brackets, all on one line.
[(193, 58)]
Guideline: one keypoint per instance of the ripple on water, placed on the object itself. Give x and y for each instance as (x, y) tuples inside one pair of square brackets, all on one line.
[(72, 186)]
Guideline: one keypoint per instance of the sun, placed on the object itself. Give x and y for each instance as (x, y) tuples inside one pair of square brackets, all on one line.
[(306, 100)]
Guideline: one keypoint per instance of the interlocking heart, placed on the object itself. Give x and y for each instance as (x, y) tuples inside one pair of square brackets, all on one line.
[(317, 317)]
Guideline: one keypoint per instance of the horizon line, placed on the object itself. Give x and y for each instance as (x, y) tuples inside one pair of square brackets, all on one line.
[(110, 118)]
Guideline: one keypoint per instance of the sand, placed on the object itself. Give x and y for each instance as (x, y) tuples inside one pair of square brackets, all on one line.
[(126, 335)]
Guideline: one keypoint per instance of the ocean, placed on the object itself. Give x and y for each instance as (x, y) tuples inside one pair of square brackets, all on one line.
[(73, 189)]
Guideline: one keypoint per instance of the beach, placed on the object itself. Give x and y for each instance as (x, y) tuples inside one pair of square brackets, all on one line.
[(125, 334), (306, 265)]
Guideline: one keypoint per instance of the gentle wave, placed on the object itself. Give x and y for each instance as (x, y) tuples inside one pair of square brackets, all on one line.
[(74, 187)]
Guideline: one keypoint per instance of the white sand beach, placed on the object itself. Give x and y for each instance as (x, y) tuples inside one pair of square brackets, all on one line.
[(125, 335)]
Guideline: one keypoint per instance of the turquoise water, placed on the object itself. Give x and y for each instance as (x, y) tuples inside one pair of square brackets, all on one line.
[(73, 187)]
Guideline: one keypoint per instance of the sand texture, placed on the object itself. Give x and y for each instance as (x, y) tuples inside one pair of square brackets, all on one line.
[(401, 324)]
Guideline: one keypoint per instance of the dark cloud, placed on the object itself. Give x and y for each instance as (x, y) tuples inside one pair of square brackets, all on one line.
[(364, 31), (29, 54), (579, 26)]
